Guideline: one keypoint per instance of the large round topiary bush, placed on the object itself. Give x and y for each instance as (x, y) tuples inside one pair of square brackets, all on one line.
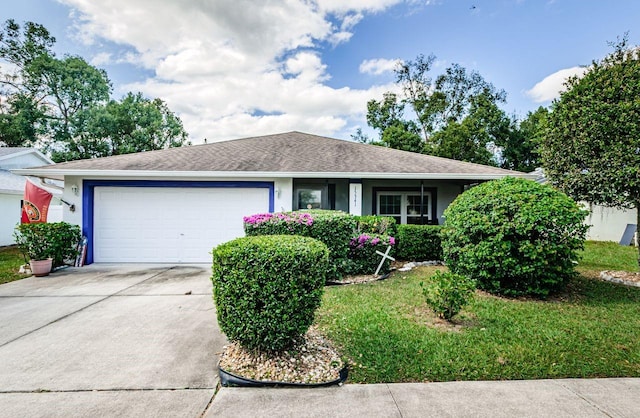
[(513, 236), (267, 289)]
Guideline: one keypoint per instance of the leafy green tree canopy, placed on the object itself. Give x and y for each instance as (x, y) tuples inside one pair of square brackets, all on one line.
[(132, 125), (63, 106), (591, 149), (520, 148), (455, 115)]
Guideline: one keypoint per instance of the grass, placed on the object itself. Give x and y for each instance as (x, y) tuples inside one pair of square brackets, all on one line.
[(10, 261), (599, 256), (388, 333)]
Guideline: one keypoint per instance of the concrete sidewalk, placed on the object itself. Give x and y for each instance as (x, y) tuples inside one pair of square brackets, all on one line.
[(522, 398)]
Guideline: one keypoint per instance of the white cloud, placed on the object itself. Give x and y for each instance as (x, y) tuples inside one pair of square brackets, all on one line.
[(345, 6), (552, 85), (101, 58), (232, 68), (378, 66)]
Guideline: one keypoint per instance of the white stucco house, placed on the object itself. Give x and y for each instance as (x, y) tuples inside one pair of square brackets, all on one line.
[(608, 224), (605, 223), (175, 205), (12, 188)]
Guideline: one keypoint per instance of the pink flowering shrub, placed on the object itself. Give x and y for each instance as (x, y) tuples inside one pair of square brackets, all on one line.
[(362, 253), (351, 251), (333, 228), (280, 223), (364, 240), (301, 218)]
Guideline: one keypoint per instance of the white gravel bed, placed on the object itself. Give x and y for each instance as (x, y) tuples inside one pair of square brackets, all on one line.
[(314, 361)]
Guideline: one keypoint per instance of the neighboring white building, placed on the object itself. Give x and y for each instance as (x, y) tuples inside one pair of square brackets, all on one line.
[(607, 224), (12, 188)]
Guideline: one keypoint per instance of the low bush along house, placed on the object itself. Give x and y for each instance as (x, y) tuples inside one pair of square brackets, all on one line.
[(174, 205)]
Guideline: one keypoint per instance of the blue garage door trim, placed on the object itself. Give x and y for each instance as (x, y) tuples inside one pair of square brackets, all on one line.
[(88, 188)]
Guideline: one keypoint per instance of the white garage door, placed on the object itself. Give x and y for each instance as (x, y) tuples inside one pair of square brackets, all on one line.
[(169, 225)]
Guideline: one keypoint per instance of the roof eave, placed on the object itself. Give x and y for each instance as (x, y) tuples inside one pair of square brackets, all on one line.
[(59, 174), (40, 155)]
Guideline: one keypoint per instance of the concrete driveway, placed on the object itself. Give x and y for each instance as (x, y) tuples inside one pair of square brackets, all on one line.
[(109, 340)]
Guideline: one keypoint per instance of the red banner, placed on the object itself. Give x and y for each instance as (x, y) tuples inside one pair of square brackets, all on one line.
[(35, 204)]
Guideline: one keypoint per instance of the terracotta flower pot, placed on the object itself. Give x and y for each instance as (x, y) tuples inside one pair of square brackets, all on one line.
[(41, 268)]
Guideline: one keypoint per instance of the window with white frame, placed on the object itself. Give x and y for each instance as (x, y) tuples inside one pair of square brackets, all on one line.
[(405, 207)]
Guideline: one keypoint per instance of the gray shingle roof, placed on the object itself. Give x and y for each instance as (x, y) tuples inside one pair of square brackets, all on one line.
[(292, 152)]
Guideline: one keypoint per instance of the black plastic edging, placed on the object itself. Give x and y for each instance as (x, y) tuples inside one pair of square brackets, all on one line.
[(229, 379)]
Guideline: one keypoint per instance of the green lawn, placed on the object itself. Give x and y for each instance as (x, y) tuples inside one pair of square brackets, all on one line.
[(10, 261), (608, 256), (389, 335)]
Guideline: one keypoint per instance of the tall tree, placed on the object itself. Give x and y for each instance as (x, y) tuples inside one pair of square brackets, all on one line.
[(520, 149), (132, 125), (455, 115), (591, 149), (21, 121), (385, 113), (403, 135), (46, 92), (447, 99), (484, 127), (413, 77), (73, 87), (23, 110), (63, 104)]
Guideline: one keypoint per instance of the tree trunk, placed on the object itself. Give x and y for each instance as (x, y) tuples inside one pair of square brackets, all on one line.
[(638, 231)]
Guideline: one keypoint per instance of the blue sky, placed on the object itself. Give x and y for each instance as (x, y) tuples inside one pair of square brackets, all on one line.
[(236, 68)]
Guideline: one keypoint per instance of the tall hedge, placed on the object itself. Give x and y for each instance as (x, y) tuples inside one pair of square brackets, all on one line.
[(267, 289), (419, 242), (334, 228), (514, 236), (377, 224)]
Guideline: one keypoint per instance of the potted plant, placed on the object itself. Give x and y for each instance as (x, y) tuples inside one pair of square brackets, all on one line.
[(32, 241)]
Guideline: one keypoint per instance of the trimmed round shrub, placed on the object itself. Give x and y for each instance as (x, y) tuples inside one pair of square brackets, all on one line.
[(267, 289), (514, 237)]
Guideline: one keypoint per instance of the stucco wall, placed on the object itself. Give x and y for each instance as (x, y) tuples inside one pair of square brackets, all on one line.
[(22, 161), (608, 224), (10, 210)]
